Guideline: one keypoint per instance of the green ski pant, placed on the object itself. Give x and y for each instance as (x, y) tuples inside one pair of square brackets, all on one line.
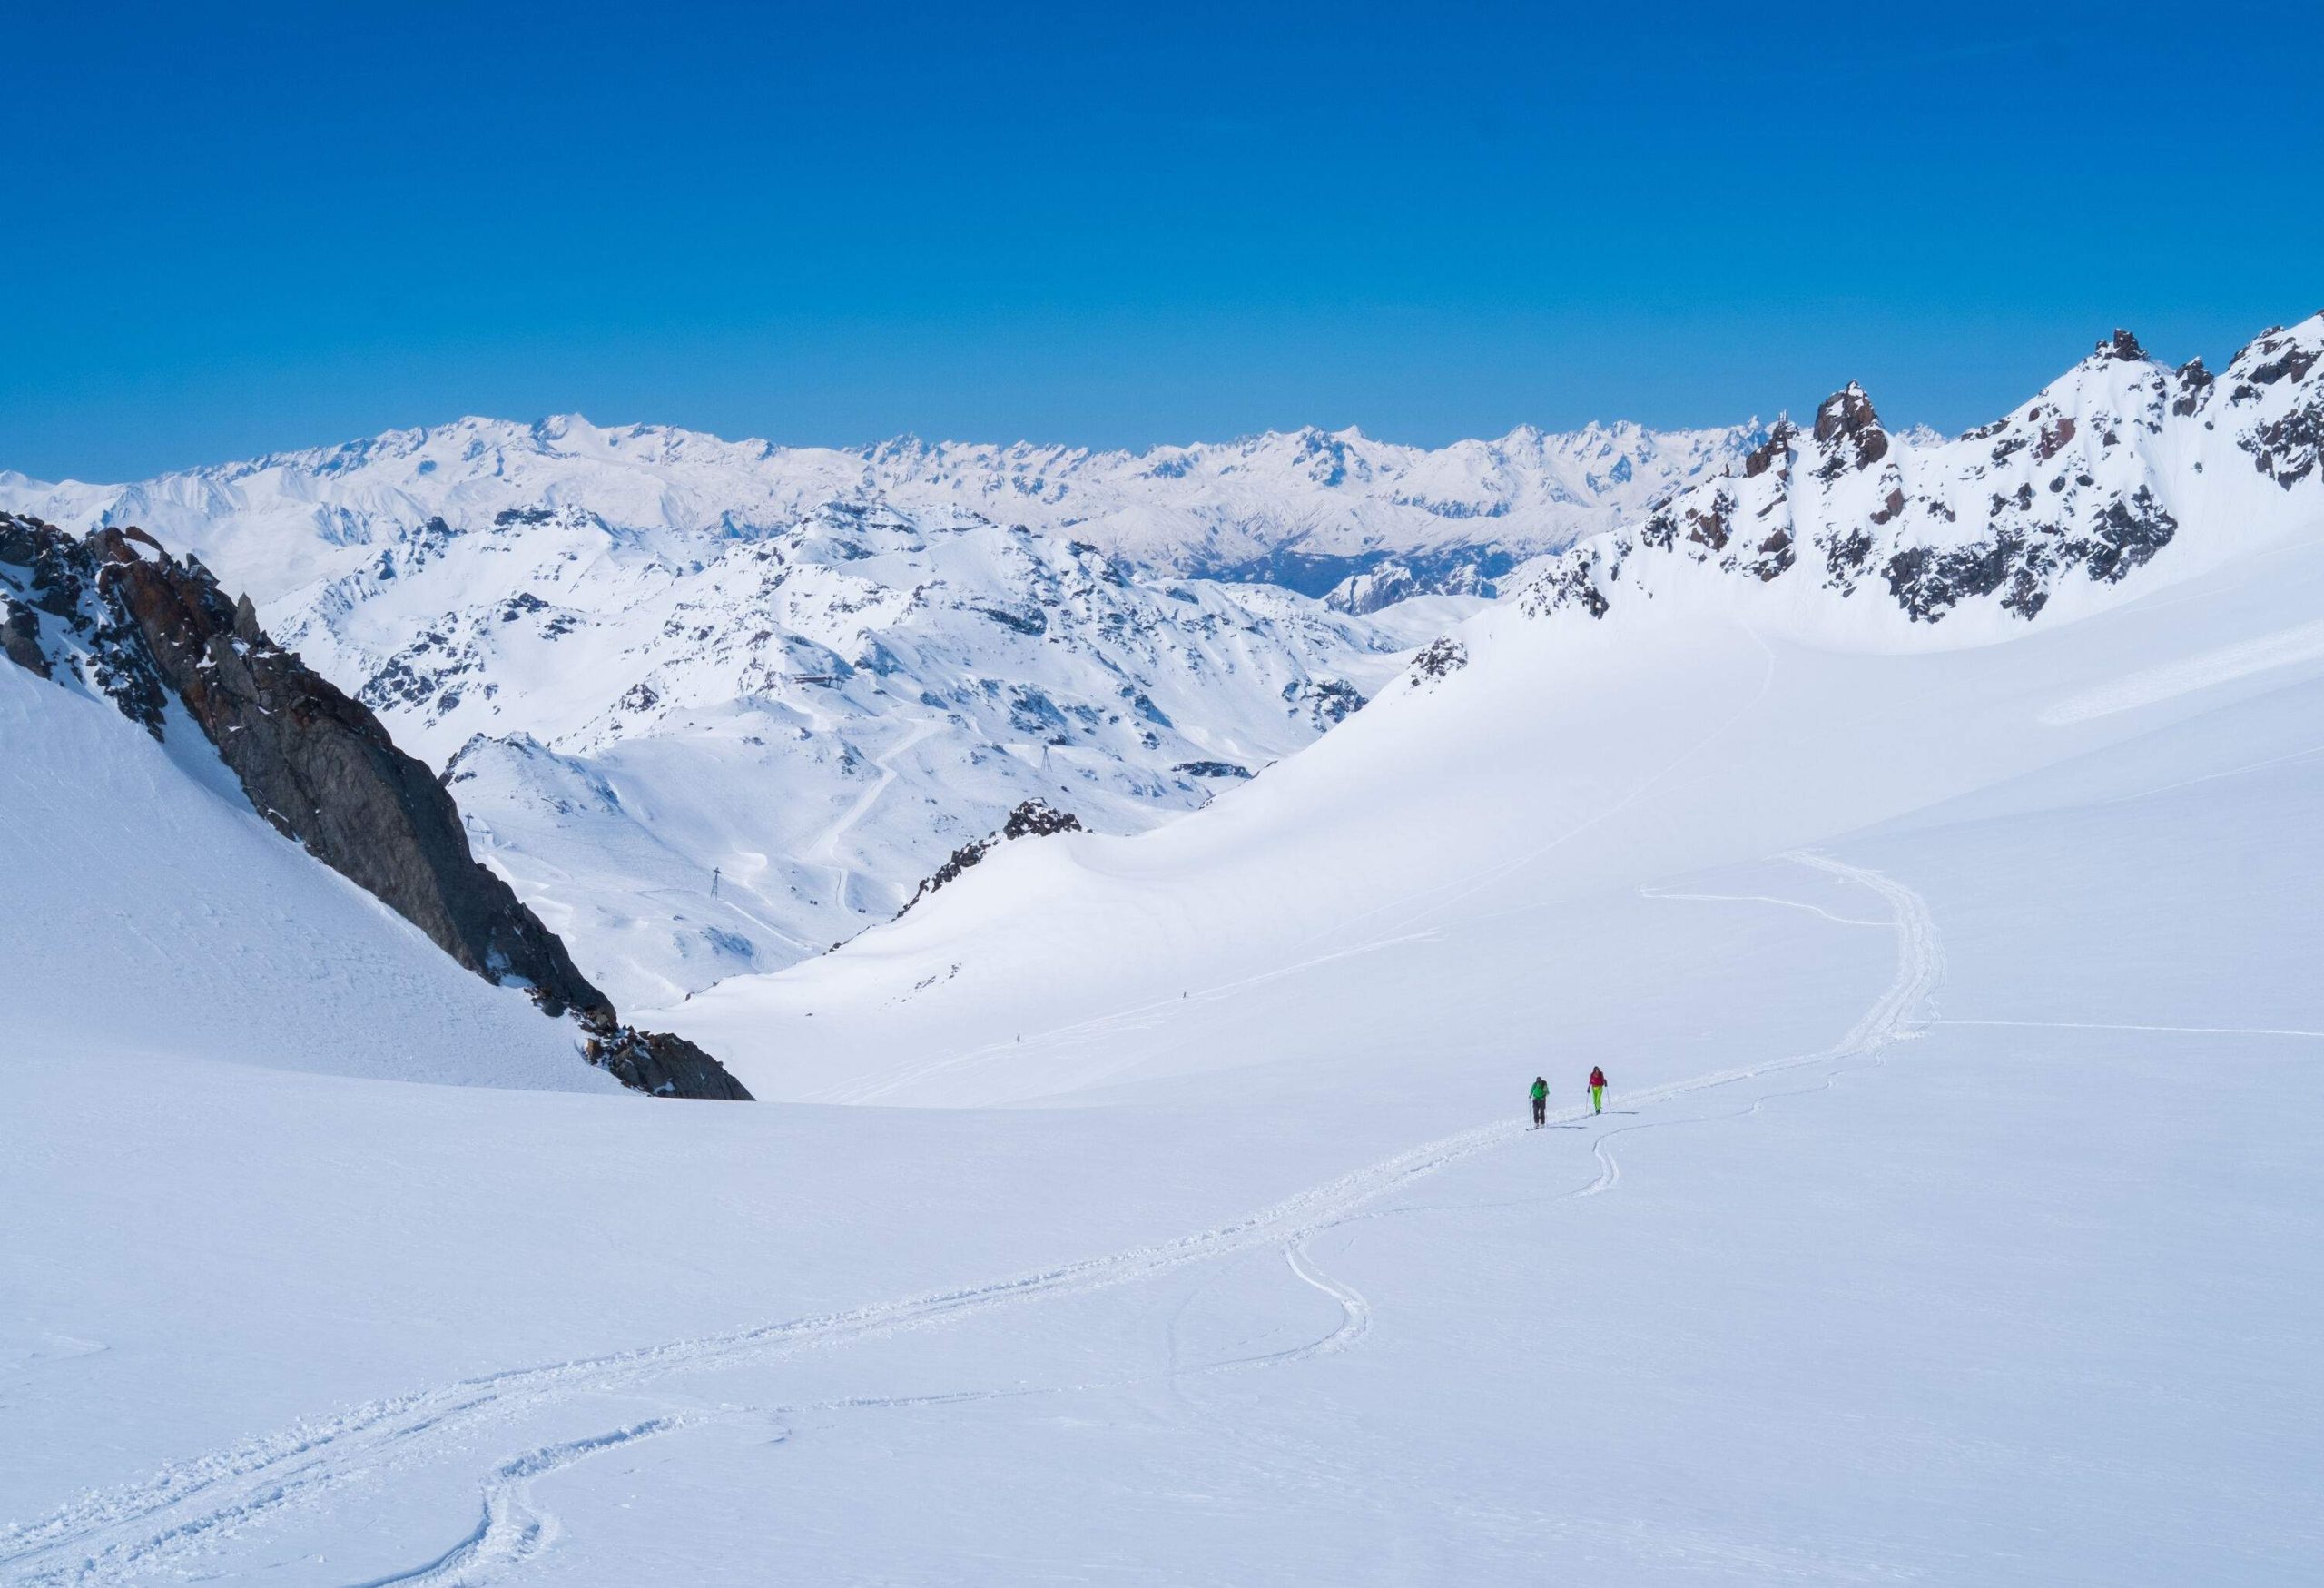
[(1597, 1100)]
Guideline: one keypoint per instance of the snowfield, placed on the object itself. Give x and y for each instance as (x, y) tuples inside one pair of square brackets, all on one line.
[(1160, 1209)]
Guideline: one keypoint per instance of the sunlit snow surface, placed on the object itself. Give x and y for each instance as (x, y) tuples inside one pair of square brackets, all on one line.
[(713, 705), (1956, 1218), (150, 909)]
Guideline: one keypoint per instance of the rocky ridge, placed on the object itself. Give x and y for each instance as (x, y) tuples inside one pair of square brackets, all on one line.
[(117, 614), (2057, 504), (1033, 819)]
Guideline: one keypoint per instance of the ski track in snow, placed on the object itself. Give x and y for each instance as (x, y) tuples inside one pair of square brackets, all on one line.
[(2285, 648), (2087, 1025), (192, 1508), (512, 1530), (826, 847), (1758, 899)]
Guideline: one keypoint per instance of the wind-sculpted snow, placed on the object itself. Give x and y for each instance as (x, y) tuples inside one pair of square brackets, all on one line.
[(2059, 507)]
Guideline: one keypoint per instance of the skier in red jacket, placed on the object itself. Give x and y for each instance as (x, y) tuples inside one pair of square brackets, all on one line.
[(1596, 1089)]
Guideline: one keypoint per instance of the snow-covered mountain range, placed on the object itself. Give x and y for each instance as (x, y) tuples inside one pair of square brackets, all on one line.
[(702, 759), (1929, 856), (716, 706), (1306, 509), (1808, 644)]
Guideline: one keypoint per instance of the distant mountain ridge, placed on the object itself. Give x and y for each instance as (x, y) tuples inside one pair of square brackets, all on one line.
[(1306, 509)]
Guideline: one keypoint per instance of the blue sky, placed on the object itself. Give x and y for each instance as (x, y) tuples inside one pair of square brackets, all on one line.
[(244, 228)]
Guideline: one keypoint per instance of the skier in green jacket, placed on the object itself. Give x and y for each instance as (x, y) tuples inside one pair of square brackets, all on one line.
[(1540, 1101)]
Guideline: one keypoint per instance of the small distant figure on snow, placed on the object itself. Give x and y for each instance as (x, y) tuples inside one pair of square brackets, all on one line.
[(1541, 1102), (1596, 1089)]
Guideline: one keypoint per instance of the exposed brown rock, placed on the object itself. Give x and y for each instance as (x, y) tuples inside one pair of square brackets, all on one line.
[(321, 769), (1847, 427)]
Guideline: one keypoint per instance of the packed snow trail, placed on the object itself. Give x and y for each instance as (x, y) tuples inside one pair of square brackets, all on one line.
[(512, 1530), (191, 1508), (826, 847)]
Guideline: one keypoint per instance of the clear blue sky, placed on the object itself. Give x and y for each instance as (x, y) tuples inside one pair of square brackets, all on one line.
[(239, 228)]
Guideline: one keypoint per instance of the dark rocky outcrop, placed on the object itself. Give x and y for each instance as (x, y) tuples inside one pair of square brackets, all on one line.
[(1032, 819), (144, 629), (1847, 417), (1324, 702), (2072, 492), (1774, 449), (2194, 381), (20, 637), (1440, 657)]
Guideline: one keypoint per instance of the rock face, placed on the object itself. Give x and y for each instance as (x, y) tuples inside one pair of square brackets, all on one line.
[(1033, 819), (1440, 658), (147, 630), (2063, 500)]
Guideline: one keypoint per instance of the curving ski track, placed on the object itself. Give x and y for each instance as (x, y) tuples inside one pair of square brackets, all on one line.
[(192, 1507)]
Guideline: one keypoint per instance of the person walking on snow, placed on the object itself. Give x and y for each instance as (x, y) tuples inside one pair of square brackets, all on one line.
[(1540, 1101), (1596, 1089)]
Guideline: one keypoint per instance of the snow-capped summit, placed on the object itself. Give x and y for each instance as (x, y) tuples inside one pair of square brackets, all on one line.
[(2059, 505)]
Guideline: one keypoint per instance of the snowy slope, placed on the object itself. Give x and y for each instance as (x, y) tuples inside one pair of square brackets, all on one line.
[(1569, 740), (735, 701), (701, 756), (154, 911), (1956, 1220)]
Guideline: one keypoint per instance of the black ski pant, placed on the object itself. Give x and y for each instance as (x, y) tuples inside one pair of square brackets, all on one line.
[(1541, 1111)]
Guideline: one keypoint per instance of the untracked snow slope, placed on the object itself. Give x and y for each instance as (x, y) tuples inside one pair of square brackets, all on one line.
[(152, 911)]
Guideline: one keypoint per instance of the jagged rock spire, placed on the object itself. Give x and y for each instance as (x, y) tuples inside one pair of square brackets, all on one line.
[(1847, 425), (1765, 455)]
